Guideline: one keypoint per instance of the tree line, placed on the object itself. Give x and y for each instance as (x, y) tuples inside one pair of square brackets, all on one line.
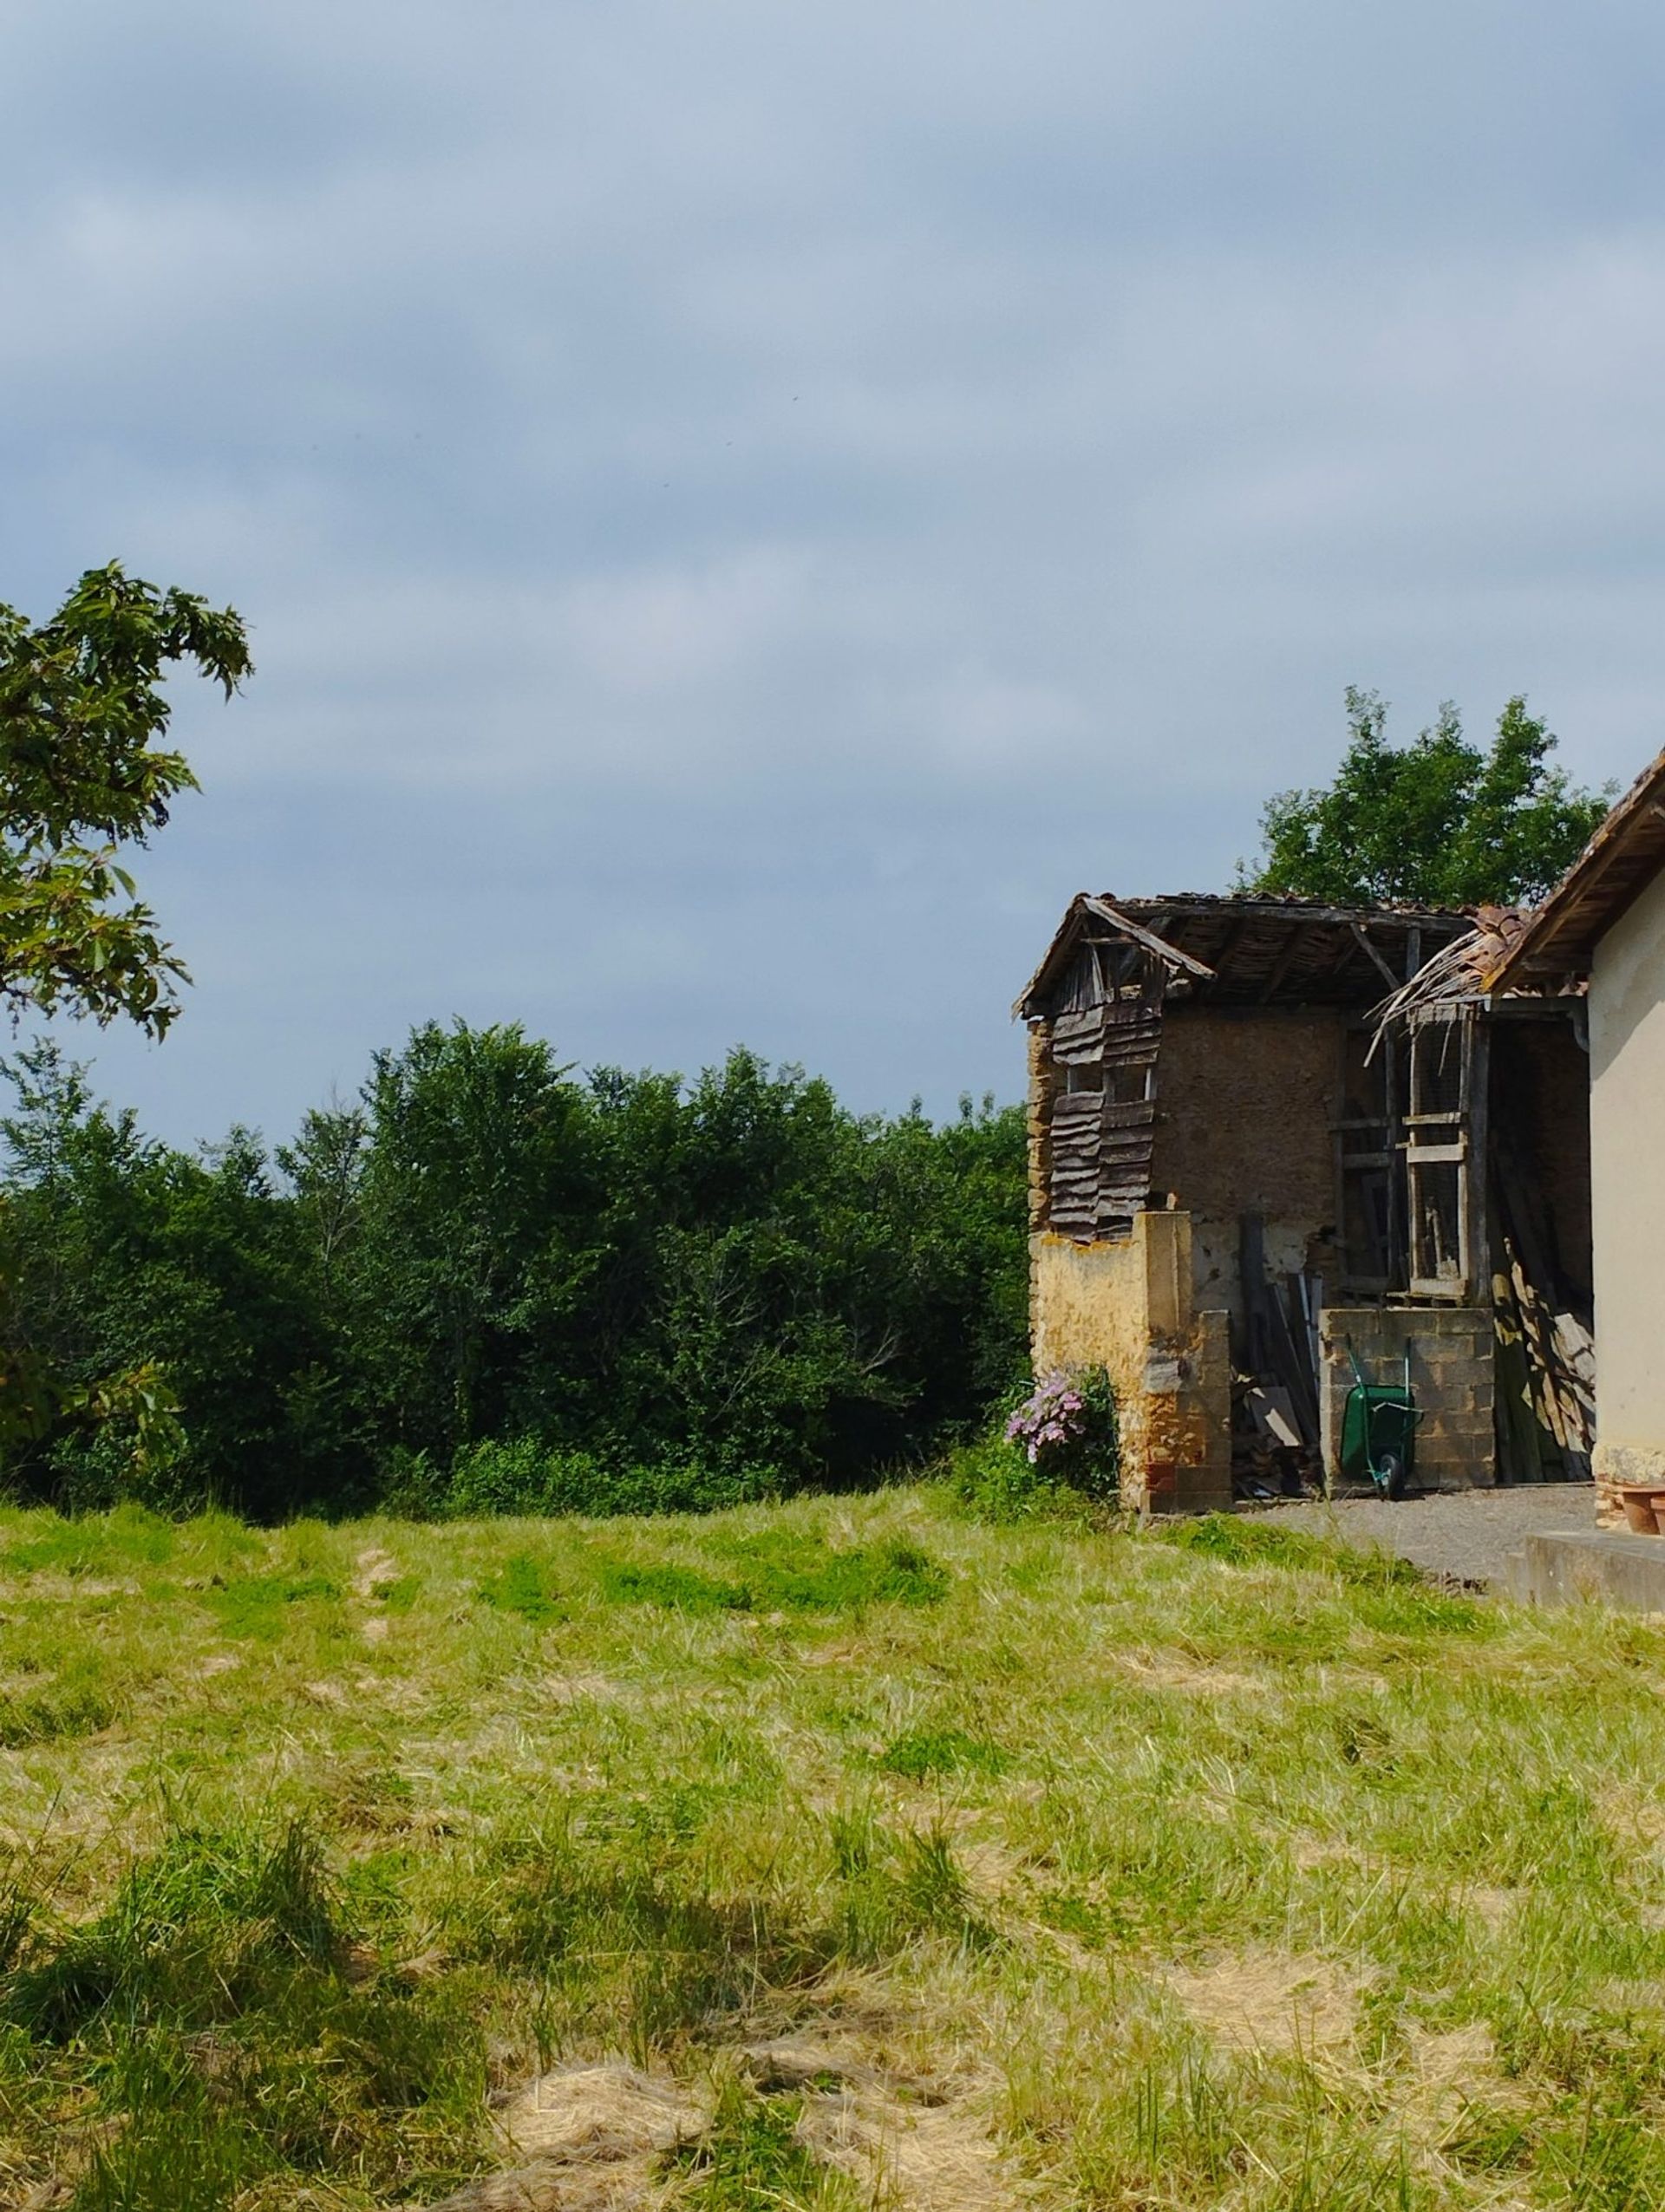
[(491, 1282)]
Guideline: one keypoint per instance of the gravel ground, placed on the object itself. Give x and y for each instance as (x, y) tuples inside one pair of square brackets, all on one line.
[(1464, 1534)]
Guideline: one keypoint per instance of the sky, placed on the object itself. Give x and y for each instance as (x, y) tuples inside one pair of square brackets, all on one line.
[(743, 509)]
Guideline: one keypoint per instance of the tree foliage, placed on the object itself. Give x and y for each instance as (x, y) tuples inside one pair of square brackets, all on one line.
[(82, 774), (491, 1277), (1440, 821)]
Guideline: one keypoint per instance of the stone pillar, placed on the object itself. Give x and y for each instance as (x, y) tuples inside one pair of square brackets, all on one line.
[(1127, 1307)]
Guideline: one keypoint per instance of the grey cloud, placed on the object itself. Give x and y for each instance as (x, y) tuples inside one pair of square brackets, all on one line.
[(741, 507)]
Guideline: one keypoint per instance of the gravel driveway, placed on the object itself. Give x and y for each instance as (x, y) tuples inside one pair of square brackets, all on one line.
[(1464, 1534)]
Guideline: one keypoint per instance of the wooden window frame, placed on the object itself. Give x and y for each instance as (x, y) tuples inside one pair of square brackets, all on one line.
[(1369, 1144), (1448, 1137)]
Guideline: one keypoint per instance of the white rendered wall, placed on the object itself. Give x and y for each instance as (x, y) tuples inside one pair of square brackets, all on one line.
[(1627, 1128)]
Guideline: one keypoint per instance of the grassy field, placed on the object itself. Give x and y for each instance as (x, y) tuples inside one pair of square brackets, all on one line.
[(840, 1854)]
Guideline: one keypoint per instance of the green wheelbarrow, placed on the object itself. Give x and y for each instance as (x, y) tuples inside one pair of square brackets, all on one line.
[(1379, 1430)]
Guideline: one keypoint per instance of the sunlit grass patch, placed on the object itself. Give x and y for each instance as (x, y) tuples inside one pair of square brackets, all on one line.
[(99, 1546), (754, 2156), (520, 1586), (784, 1569), (1124, 1871), (126, 1543), (1241, 1543), (255, 1605), (919, 1752), (679, 1589), (31, 1715)]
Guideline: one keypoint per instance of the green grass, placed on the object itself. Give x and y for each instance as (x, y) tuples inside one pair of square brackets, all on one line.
[(921, 1751), (905, 1860), (754, 2156), (255, 1605), (519, 1586)]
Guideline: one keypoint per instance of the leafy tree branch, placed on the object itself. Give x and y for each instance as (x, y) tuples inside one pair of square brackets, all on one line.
[(83, 773)]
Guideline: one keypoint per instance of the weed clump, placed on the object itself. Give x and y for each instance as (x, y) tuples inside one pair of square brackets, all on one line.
[(783, 1573), (784, 1570), (190, 1935), (679, 1590), (1057, 1452), (753, 2156), (922, 1752), (523, 1476), (993, 1482), (771, 1571), (255, 1605), (39, 1716), (520, 1587)]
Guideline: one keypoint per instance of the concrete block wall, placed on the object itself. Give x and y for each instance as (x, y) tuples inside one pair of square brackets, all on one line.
[(1453, 1379)]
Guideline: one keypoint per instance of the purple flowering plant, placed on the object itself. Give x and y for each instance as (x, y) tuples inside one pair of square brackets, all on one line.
[(1065, 1428)]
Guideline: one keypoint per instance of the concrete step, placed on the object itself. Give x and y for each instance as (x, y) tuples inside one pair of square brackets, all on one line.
[(1571, 1567)]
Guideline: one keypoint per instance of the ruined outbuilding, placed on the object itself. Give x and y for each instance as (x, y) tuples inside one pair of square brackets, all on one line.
[(1242, 1177)]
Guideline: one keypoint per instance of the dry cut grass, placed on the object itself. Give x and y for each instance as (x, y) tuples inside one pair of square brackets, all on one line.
[(842, 1855)]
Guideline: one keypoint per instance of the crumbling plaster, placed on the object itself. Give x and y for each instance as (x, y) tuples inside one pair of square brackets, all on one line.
[(1129, 1307)]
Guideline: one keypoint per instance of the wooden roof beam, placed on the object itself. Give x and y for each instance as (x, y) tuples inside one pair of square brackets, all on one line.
[(1382, 969), (1168, 953), (1285, 960)]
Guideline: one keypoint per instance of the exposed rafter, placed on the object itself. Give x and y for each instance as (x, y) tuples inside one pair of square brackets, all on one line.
[(1168, 953), (1285, 961), (1382, 969), (1250, 949)]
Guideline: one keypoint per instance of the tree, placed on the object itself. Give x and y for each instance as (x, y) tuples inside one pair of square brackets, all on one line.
[(493, 1281), (479, 1203), (160, 1327), (1440, 821), (82, 773)]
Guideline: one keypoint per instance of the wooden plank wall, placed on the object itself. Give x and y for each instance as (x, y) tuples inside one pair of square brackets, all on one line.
[(1103, 1122)]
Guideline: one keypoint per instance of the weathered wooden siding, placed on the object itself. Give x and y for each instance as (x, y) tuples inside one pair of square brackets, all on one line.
[(1099, 1092)]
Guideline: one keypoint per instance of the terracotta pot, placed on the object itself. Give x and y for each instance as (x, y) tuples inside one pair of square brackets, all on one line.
[(1639, 1514)]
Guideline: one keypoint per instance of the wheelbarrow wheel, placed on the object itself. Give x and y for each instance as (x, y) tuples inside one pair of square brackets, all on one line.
[(1390, 1475)]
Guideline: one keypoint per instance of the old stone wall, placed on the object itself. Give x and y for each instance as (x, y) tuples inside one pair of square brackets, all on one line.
[(1244, 1102), (1453, 1380), (1044, 1083), (1129, 1307)]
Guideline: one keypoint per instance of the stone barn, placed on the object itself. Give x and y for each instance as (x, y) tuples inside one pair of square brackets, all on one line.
[(1241, 1176)]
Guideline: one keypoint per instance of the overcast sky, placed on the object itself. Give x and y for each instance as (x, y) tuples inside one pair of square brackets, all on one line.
[(743, 508)]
